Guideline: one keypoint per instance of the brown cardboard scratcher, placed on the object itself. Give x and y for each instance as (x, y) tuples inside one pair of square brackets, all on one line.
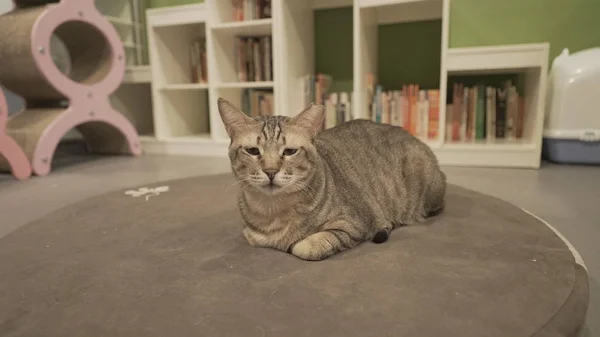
[(65, 60)]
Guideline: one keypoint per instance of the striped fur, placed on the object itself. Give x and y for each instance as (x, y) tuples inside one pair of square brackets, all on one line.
[(343, 186)]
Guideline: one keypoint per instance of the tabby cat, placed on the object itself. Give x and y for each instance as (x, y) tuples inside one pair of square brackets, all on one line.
[(315, 193)]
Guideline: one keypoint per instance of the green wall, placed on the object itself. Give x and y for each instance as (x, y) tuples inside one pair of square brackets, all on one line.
[(572, 24), (409, 53), (333, 46)]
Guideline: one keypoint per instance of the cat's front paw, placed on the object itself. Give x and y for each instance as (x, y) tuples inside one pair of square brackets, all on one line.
[(305, 250), (316, 247)]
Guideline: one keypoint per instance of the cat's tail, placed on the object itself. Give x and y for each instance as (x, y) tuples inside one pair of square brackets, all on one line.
[(381, 236)]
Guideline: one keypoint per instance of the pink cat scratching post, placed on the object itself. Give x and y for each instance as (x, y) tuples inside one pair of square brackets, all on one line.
[(9, 149), (66, 60)]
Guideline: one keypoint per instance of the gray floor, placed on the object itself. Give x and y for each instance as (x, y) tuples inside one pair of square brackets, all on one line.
[(567, 197)]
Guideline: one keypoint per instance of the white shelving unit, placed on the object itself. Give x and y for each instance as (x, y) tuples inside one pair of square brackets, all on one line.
[(133, 98), (186, 119), (126, 17), (180, 106)]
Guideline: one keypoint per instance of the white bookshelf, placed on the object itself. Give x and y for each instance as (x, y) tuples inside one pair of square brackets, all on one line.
[(133, 98), (186, 119), (126, 17)]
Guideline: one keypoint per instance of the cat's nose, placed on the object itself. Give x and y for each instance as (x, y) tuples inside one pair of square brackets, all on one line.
[(271, 173)]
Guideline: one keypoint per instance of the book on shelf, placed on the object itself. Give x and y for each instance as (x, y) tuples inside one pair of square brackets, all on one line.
[(253, 57), (315, 88), (413, 108), (198, 61), (244, 10), (338, 109), (257, 102), (484, 113)]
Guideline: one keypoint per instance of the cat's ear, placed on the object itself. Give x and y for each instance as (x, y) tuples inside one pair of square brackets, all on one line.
[(233, 118), (311, 119)]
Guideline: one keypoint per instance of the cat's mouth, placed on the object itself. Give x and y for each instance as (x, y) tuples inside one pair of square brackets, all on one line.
[(271, 186)]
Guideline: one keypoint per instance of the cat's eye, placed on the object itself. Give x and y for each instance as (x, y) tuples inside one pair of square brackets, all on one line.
[(253, 151), (289, 152)]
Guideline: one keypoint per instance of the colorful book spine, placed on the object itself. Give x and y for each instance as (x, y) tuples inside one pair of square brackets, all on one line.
[(342, 108), (434, 114), (512, 112), (501, 100), (331, 111), (480, 125), (490, 113), (199, 71), (423, 123), (456, 110), (464, 113), (472, 116), (520, 117)]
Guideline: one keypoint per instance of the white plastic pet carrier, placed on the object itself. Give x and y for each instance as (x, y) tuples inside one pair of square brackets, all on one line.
[(572, 124)]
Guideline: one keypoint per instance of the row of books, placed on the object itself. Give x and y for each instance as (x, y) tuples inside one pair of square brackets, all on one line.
[(254, 58), (198, 61), (484, 112), (257, 102), (474, 113), (414, 109), (315, 88), (338, 109), (251, 9)]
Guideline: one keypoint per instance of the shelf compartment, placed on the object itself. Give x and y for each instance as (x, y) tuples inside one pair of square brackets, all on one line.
[(177, 15), (236, 95), (496, 58), (227, 51), (182, 113), (399, 66), (225, 12), (171, 48), (525, 67), (134, 101)]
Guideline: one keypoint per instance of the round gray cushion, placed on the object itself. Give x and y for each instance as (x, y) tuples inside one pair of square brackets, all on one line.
[(133, 263)]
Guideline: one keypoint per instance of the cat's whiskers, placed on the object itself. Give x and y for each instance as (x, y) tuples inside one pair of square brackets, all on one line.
[(304, 185), (239, 181), (304, 189)]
